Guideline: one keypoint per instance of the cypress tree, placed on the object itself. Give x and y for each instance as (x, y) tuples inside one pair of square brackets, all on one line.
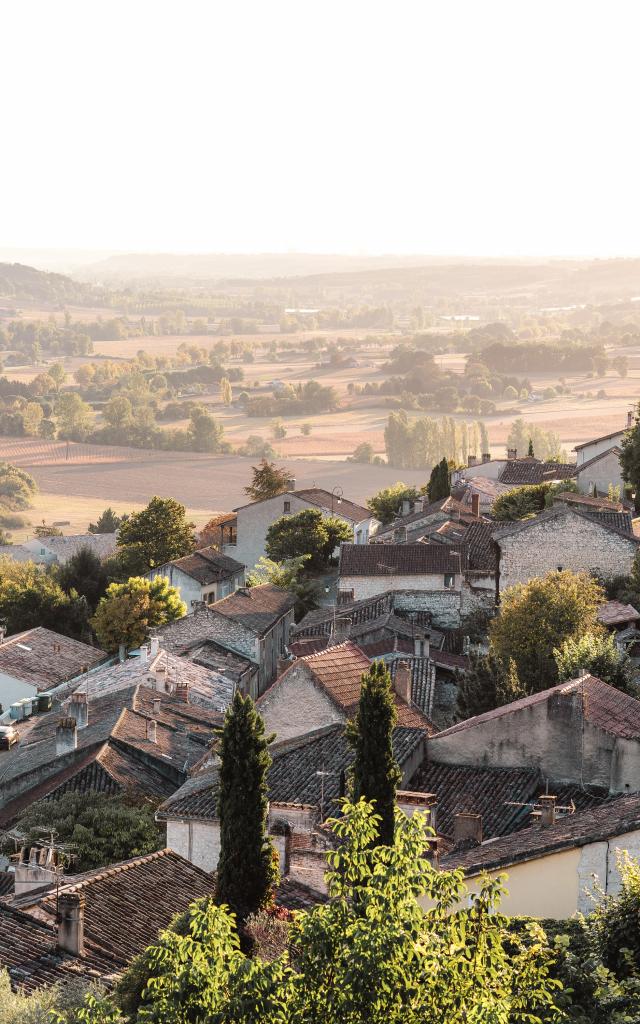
[(247, 870), (530, 452), (439, 485), (375, 772)]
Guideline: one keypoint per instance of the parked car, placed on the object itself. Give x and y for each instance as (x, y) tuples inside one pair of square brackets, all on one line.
[(8, 736)]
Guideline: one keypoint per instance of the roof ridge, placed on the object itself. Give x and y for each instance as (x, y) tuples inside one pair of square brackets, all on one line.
[(116, 869)]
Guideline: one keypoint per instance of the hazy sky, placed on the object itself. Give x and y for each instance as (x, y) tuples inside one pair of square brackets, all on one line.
[(434, 126)]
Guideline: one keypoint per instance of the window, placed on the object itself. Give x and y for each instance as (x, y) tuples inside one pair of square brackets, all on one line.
[(287, 507), (449, 581)]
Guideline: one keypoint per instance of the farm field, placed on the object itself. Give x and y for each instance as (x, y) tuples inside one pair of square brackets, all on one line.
[(79, 487)]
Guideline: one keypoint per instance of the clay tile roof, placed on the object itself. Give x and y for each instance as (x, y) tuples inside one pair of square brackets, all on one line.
[(28, 952), (613, 612), (205, 566), (102, 544), (339, 671), (256, 608), (344, 509), (482, 554), (128, 904), (571, 498), (614, 817), (401, 559), (296, 896), (611, 710), (45, 658)]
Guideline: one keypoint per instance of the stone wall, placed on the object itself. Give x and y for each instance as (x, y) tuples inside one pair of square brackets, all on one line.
[(551, 736), (597, 477), (297, 705), (568, 541), (601, 859)]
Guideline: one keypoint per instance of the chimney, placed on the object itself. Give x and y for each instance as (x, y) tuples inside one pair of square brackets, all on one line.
[(152, 730), (79, 709), (547, 810), (35, 868), (144, 654), (291, 483), (156, 706), (66, 736), (182, 692), (154, 647), (512, 453), (475, 505), (400, 535), (122, 652), (629, 419), (467, 830), (340, 629), (421, 646), (71, 923), (486, 457), (402, 681), (406, 507), (472, 461)]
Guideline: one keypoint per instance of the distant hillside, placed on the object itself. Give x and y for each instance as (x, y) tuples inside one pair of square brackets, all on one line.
[(20, 284)]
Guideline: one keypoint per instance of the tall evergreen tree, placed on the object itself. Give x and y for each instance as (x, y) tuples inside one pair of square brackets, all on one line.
[(439, 485), (530, 451), (247, 870), (375, 772)]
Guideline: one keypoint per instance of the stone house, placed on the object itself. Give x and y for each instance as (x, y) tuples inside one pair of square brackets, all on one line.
[(306, 778), (551, 865), (252, 625), (600, 473), (39, 659), (58, 550), (254, 520), (564, 537), (204, 576), (324, 689), (589, 449), (582, 731)]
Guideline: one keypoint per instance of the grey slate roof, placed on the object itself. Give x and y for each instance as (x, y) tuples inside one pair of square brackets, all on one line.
[(102, 544), (258, 609)]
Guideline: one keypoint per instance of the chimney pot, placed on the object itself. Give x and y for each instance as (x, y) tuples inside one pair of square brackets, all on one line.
[(629, 419), (66, 736), (512, 453), (79, 709), (467, 830), (144, 654), (475, 504), (486, 457), (406, 507), (71, 923), (402, 681), (472, 461), (152, 730), (547, 810)]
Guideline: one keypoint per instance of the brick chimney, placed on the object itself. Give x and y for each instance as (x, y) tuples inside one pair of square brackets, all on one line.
[(475, 505), (66, 736), (472, 461), (152, 730), (79, 709), (182, 692), (512, 453), (71, 923), (467, 830), (402, 681), (486, 457), (547, 810)]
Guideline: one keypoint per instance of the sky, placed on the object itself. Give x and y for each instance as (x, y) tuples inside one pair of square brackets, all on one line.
[(466, 127)]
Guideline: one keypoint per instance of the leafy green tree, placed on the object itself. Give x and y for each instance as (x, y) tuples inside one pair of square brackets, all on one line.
[(129, 610), (598, 654), (103, 830), (439, 485), (62, 1003), (160, 532), (371, 955), (74, 416), (630, 459), (387, 503), (537, 617), (108, 522), (85, 574), (521, 502), (205, 433), (364, 453), (30, 597), (375, 772), (57, 374), (289, 575), (32, 417), (486, 685), (17, 488), (268, 481), (118, 412), (306, 533), (247, 868)]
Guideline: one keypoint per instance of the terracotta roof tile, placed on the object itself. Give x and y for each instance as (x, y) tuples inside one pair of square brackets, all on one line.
[(401, 559), (344, 508), (611, 613), (256, 608), (45, 658), (207, 565)]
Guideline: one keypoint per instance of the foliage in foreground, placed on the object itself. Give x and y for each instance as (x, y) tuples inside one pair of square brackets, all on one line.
[(129, 610), (370, 956)]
